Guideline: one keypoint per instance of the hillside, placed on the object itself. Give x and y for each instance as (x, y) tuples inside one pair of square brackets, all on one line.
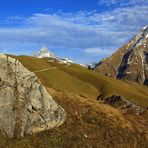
[(90, 122), (130, 62), (69, 78)]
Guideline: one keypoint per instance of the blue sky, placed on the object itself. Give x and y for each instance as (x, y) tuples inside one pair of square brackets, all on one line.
[(83, 30)]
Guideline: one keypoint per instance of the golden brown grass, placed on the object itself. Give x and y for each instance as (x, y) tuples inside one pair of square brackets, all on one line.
[(89, 123), (77, 79)]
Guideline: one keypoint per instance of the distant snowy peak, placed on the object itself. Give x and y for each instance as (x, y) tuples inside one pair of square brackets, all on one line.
[(45, 53), (65, 60)]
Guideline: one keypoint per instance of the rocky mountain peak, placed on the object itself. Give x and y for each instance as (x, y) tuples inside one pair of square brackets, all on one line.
[(44, 50), (129, 62), (45, 53), (141, 36)]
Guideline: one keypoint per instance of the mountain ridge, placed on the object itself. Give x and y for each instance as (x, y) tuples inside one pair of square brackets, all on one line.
[(129, 62)]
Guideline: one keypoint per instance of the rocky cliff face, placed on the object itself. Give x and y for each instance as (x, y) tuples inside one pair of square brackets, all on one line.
[(25, 105), (130, 62)]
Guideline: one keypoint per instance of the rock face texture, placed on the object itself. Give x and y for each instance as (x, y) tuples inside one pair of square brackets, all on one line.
[(25, 105), (130, 62)]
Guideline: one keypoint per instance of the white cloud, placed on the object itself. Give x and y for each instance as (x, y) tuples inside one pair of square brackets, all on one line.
[(98, 51), (73, 31), (122, 3)]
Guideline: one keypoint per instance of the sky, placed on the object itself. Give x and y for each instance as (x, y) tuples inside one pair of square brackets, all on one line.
[(83, 30)]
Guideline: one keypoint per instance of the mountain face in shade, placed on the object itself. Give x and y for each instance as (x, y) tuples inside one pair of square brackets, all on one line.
[(129, 62)]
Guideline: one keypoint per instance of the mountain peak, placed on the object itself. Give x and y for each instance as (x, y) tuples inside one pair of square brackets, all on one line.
[(129, 62), (45, 53), (145, 27), (141, 36), (44, 49)]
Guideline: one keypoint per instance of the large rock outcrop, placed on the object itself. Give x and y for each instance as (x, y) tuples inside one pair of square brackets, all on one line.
[(25, 105), (118, 101)]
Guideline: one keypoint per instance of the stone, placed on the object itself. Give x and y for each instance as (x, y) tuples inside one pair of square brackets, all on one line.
[(25, 105), (119, 101)]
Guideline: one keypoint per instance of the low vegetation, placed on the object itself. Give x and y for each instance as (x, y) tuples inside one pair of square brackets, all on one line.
[(76, 79), (89, 123)]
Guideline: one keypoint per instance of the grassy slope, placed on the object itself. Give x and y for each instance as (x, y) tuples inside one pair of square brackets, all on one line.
[(89, 123), (79, 80)]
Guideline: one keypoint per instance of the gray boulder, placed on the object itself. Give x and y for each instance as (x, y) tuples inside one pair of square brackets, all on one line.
[(25, 105)]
